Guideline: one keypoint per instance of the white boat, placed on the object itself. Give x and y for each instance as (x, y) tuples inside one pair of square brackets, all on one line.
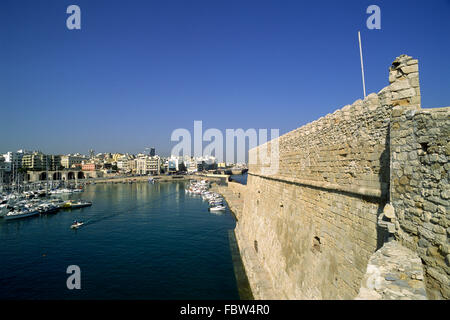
[(20, 214), (76, 225), (217, 208), (81, 204), (62, 191)]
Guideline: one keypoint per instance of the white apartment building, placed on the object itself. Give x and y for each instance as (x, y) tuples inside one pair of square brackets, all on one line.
[(148, 165), (123, 164)]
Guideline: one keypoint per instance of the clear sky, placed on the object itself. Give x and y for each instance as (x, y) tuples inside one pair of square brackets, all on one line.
[(137, 70)]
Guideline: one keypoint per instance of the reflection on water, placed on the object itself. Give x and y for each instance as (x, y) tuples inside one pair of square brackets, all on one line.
[(140, 241)]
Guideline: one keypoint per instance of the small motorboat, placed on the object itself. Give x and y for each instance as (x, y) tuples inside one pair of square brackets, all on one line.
[(76, 225), (217, 208)]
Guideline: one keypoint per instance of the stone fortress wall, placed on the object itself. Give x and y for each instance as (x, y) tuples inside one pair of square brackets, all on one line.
[(345, 184), (420, 191)]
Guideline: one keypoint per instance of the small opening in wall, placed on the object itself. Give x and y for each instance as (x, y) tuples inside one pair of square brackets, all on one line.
[(316, 245), (424, 146), (395, 64), (256, 246)]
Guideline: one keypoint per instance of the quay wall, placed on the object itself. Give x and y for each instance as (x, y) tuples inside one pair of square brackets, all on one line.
[(314, 214)]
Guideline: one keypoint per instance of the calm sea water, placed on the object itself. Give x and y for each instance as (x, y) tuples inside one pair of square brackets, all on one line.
[(140, 241)]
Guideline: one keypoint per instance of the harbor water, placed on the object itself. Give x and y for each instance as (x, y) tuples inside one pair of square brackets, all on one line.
[(139, 241)]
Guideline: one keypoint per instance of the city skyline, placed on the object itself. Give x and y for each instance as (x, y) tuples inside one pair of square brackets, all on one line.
[(151, 68)]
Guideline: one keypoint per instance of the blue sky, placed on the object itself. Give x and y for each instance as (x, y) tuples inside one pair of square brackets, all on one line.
[(137, 70)]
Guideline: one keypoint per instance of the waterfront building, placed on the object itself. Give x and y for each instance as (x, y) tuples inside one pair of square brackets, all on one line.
[(2, 163), (91, 166), (148, 165), (221, 165), (14, 159), (191, 166), (155, 165), (132, 165), (70, 161), (54, 162), (123, 163), (172, 164), (36, 161), (200, 166), (5, 166), (117, 156)]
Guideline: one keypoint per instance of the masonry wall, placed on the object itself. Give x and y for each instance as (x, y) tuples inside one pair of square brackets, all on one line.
[(313, 222), (310, 217), (420, 192)]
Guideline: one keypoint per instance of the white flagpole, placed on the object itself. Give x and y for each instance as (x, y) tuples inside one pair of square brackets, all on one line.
[(362, 64)]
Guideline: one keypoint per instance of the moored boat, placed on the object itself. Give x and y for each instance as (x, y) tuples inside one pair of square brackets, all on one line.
[(72, 204), (217, 208), (20, 214)]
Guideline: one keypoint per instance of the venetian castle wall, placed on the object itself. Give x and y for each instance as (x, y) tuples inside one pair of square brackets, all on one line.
[(308, 229)]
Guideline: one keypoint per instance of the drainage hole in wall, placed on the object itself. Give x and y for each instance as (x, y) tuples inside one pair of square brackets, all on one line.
[(316, 245), (424, 146)]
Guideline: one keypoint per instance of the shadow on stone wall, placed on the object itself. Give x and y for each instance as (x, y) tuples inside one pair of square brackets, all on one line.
[(384, 178)]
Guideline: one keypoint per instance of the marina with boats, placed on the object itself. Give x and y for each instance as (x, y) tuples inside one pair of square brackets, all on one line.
[(201, 188), (32, 203), (159, 237), (18, 205)]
